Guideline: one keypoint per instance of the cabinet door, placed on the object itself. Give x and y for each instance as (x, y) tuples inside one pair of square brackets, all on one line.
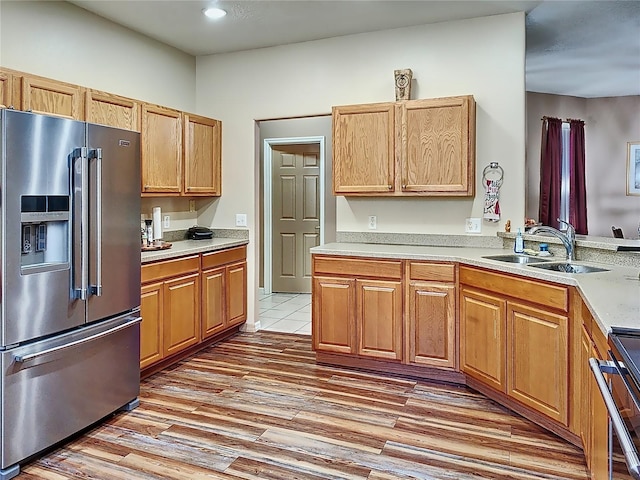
[(334, 315), (236, 293), (151, 308), (181, 313), (213, 301), (482, 337), (6, 89), (438, 149), (379, 319), (112, 110), (202, 156), (599, 441), (585, 395), (161, 158), (364, 149), (52, 98), (432, 321), (538, 358)]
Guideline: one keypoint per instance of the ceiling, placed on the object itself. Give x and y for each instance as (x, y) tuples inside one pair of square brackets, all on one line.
[(585, 48)]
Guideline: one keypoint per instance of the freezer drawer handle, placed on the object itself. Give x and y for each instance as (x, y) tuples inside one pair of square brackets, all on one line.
[(628, 448), (96, 289), (32, 356)]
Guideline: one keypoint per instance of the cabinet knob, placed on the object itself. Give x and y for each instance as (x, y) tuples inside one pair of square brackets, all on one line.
[(389, 187)]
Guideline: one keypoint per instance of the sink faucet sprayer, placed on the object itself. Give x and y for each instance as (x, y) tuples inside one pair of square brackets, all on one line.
[(568, 238)]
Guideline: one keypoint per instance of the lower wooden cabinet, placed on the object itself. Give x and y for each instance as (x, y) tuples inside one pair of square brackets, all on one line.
[(188, 300), (483, 337), (385, 310), (334, 315), (224, 301), (358, 307), (518, 349), (181, 319), (379, 319), (152, 308), (430, 338), (538, 356), (594, 424)]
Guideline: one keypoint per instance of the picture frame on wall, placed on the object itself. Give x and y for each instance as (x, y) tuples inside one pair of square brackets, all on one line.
[(633, 168)]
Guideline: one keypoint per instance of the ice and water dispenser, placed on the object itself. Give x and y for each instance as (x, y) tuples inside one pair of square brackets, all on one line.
[(45, 233)]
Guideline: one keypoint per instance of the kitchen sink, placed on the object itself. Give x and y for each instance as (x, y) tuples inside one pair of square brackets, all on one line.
[(522, 259), (570, 268)]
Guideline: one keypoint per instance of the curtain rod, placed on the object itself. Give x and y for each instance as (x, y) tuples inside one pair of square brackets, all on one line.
[(565, 120)]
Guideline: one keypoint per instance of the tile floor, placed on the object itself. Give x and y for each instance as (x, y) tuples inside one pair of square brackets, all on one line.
[(285, 312)]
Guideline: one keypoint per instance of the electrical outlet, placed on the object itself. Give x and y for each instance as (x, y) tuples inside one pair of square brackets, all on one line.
[(167, 221), (241, 219), (473, 225), (192, 205), (373, 222)]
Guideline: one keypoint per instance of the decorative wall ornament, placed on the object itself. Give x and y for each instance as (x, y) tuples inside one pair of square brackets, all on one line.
[(403, 83)]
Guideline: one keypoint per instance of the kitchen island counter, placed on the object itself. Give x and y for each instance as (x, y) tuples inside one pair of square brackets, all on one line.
[(613, 296)]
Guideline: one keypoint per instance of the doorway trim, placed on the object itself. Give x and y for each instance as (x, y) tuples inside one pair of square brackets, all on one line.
[(267, 203)]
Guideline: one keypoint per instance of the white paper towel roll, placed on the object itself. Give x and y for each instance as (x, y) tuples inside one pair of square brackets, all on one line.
[(157, 223)]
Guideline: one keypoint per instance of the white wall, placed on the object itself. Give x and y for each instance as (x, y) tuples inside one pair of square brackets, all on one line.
[(483, 57), (61, 41), (609, 124)]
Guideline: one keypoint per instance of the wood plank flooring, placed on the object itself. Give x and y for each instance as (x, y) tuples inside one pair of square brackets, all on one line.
[(258, 407)]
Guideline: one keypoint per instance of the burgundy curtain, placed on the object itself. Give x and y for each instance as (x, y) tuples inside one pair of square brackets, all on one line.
[(550, 171), (578, 189)]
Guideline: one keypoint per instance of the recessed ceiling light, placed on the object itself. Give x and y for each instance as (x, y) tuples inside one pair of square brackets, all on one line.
[(214, 12)]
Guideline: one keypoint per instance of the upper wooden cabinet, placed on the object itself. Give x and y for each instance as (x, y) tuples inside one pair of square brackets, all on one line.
[(438, 146), (161, 141), (202, 156), (415, 147), (181, 153), (363, 149), (112, 110), (41, 95), (6, 89)]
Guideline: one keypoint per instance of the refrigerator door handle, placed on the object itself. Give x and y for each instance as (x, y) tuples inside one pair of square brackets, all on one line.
[(33, 356), (80, 224), (96, 289)]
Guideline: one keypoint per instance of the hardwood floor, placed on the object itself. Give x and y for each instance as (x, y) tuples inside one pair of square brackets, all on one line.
[(258, 407)]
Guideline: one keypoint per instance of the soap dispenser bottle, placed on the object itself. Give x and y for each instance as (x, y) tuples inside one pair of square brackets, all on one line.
[(518, 247)]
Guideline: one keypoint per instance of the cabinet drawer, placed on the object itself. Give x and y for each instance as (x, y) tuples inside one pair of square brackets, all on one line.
[(357, 267), (169, 268), (435, 272), (215, 259), (553, 296)]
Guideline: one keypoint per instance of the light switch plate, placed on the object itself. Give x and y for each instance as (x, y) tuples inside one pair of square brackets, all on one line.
[(241, 219), (473, 225)]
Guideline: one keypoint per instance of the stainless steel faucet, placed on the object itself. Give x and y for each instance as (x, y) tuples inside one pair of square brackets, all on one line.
[(568, 238)]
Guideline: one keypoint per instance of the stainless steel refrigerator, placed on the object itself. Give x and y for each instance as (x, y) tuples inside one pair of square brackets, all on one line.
[(70, 285)]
